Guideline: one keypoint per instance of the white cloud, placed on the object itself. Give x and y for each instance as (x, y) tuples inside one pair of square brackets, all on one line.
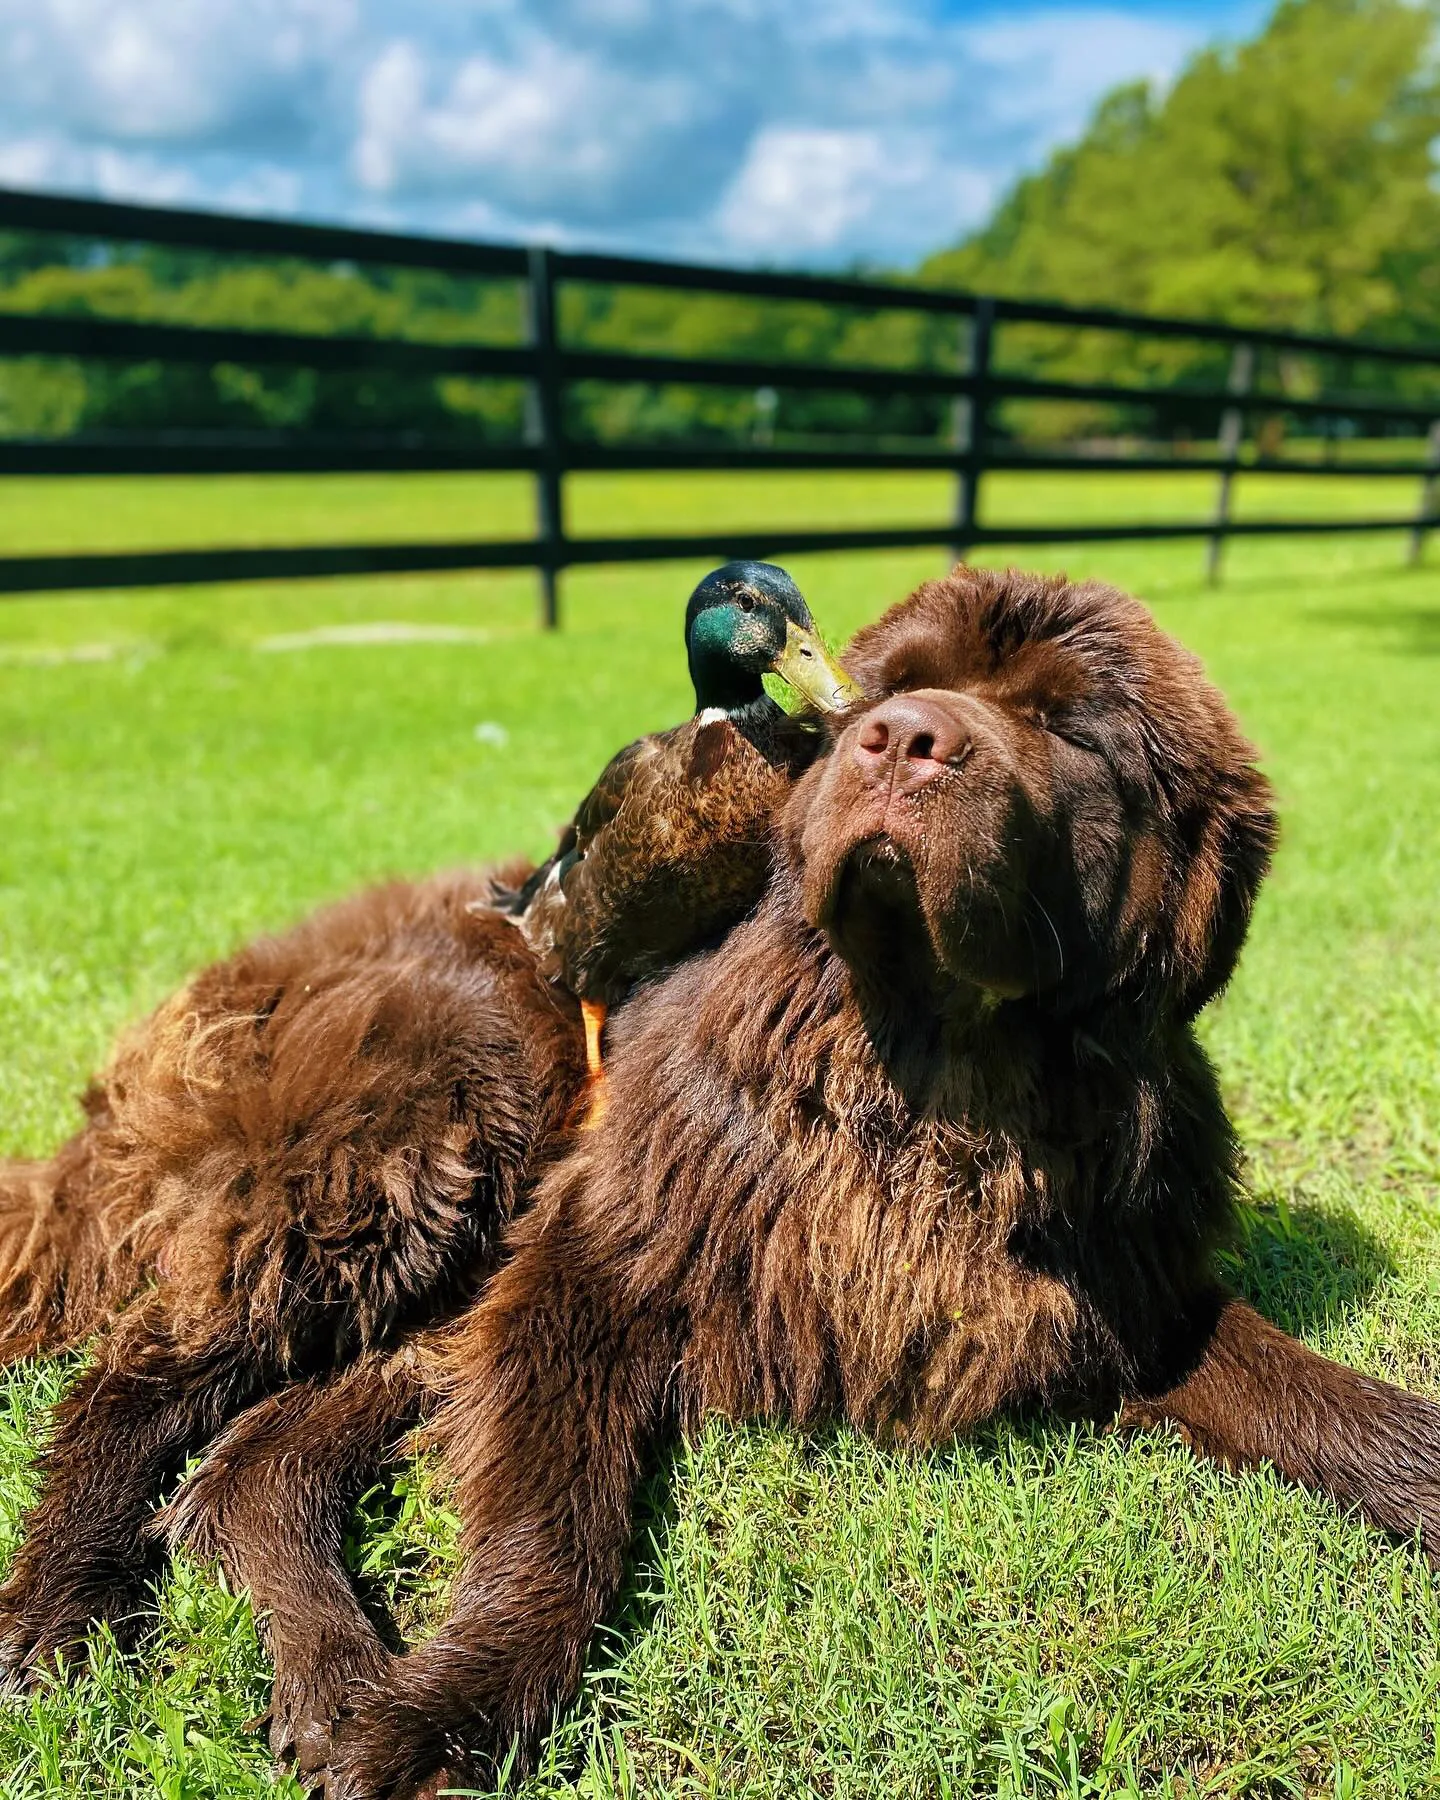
[(113, 173), (41, 162), (538, 125), (789, 130), (808, 190), (391, 98), (171, 71), (263, 188), (547, 123), (805, 187)]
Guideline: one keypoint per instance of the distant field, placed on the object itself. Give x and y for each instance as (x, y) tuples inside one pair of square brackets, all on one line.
[(134, 513), (1038, 1612)]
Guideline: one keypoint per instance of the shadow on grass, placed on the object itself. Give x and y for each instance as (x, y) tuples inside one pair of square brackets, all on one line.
[(1306, 1268)]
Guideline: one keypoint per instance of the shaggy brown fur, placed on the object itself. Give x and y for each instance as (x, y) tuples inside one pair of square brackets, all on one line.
[(312, 1148), (67, 1260), (928, 1136)]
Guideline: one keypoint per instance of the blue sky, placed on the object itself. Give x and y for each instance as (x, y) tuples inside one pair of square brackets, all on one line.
[(814, 132)]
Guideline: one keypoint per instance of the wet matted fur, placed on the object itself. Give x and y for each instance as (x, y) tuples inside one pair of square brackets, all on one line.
[(928, 1136), (306, 1153)]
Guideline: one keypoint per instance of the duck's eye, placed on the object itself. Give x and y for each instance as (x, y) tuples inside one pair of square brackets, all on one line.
[(747, 603)]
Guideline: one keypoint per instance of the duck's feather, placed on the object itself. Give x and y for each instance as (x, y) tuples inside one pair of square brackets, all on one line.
[(670, 848), (605, 799), (592, 815)]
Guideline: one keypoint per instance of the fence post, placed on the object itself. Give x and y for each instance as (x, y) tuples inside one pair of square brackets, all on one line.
[(1232, 432), (1429, 494), (975, 423), (545, 431)]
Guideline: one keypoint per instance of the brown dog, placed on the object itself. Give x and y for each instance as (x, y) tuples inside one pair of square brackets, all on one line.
[(928, 1136)]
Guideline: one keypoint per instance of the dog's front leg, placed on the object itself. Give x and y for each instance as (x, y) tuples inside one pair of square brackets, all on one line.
[(270, 1504), (556, 1388), (145, 1404), (1254, 1395)]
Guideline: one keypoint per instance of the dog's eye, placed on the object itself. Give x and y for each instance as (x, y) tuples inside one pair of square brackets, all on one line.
[(1059, 725), (1076, 737)]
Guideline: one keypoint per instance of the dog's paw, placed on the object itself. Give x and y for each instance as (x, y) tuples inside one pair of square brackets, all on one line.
[(309, 1702), (33, 1629), (341, 1784), (392, 1748), (18, 1660), (298, 1725), (354, 1774), (49, 1609), (31, 1645)]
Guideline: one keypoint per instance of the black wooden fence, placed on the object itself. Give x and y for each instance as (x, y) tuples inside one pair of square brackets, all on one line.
[(548, 365)]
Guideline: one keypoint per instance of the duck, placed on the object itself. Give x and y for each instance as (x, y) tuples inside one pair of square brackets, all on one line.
[(671, 845)]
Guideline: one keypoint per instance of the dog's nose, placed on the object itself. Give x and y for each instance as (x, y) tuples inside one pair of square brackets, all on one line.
[(910, 740)]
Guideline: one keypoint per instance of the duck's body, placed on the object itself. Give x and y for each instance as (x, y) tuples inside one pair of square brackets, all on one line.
[(669, 848), (672, 844)]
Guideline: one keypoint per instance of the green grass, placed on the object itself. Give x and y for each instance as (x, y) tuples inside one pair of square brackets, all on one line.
[(120, 513), (1039, 1611)]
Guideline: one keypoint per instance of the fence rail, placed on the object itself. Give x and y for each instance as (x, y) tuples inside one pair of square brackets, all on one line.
[(547, 368)]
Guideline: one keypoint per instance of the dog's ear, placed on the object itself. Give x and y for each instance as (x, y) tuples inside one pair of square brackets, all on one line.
[(1230, 840)]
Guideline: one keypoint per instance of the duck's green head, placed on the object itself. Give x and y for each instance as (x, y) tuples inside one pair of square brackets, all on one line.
[(749, 619)]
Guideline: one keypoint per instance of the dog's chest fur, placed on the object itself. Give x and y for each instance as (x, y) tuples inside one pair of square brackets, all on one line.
[(835, 1251)]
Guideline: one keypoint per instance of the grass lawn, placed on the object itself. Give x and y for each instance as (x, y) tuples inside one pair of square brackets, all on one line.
[(1037, 1611), (121, 513)]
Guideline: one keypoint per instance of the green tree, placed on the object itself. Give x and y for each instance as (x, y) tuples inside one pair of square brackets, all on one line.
[(1288, 182)]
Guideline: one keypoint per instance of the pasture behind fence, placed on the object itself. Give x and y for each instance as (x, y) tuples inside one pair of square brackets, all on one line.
[(967, 402)]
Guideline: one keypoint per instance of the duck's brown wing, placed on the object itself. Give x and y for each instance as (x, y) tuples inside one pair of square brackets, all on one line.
[(540, 904), (607, 796), (685, 854)]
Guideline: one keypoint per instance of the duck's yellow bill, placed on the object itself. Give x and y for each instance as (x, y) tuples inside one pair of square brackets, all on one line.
[(813, 672)]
